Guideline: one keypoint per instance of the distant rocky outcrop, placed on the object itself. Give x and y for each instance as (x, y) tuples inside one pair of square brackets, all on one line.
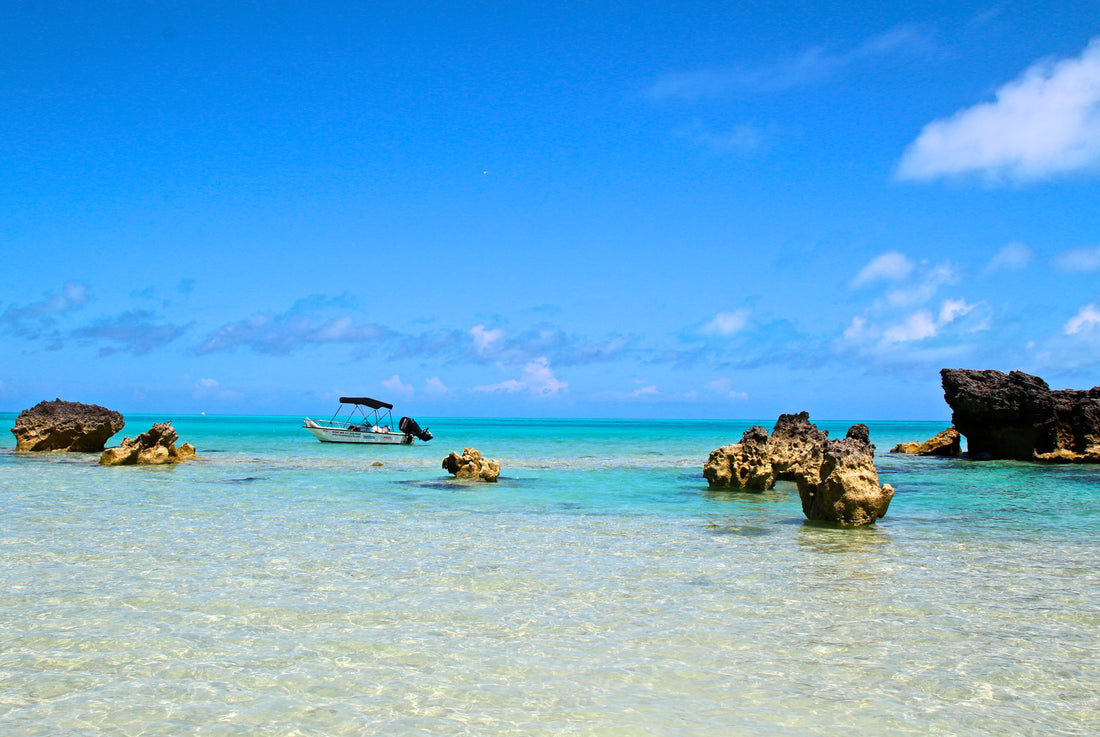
[(944, 443), (69, 426), (471, 465), (155, 447), (1018, 416), (837, 480)]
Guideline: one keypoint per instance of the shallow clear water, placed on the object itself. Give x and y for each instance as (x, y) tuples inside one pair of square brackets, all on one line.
[(278, 585)]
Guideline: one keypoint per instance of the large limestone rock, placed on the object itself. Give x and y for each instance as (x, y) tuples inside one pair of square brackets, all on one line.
[(744, 465), (157, 446), (71, 426), (944, 443), (1018, 416), (845, 487), (837, 480), (795, 445), (471, 465)]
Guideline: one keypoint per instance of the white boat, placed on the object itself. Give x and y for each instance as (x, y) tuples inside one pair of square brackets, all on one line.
[(368, 421)]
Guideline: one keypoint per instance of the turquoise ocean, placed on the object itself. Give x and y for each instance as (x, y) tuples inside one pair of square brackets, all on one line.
[(281, 586)]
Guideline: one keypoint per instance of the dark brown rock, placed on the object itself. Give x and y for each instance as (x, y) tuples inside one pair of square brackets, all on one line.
[(1018, 416), (69, 426)]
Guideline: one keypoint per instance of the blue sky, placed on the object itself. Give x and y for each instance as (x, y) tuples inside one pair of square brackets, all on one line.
[(574, 209)]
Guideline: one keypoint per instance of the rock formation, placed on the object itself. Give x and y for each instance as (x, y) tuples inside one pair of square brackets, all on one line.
[(71, 426), (845, 488), (744, 465), (944, 443), (1018, 416), (157, 446), (837, 480), (471, 465)]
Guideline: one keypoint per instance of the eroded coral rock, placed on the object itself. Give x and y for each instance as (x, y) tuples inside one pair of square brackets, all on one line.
[(472, 465), (944, 443), (845, 488), (743, 465), (70, 426), (155, 447), (837, 480)]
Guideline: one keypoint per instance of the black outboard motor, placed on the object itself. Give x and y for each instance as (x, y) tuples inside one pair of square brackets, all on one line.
[(408, 426)]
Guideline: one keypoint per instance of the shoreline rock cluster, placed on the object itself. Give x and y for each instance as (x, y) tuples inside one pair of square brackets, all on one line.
[(85, 428), (837, 480)]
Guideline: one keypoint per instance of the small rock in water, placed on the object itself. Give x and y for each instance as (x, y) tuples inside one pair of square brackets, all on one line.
[(471, 465)]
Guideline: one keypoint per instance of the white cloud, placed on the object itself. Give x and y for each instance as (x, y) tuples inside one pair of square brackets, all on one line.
[(952, 309), (1087, 318), (434, 387), (890, 266), (923, 287), (538, 379), (917, 326), (538, 376), (395, 385), (727, 323), (485, 340), (1012, 257), (1078, 259), (1045, 122), (645, 391)]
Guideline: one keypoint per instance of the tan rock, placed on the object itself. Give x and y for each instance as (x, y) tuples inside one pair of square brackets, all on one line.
[(837, 479), (471, 464), (154, 447), (945, 443), (744, 465), (845, 488)]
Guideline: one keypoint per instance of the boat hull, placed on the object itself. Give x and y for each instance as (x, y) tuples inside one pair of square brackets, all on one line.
[(343, 435)]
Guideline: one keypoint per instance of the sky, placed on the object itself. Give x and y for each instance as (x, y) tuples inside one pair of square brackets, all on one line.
[(489, 209)]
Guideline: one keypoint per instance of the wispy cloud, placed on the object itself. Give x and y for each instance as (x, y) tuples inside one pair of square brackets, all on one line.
[(1078, 259), (307, 323), (136, 332), (538, 379), (395, 385), (812, 65), (481, 344), (739, 139), (1044, 123), (35, 319), (1086, 319), (1012, 257), (727, 323), (890, 266)]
